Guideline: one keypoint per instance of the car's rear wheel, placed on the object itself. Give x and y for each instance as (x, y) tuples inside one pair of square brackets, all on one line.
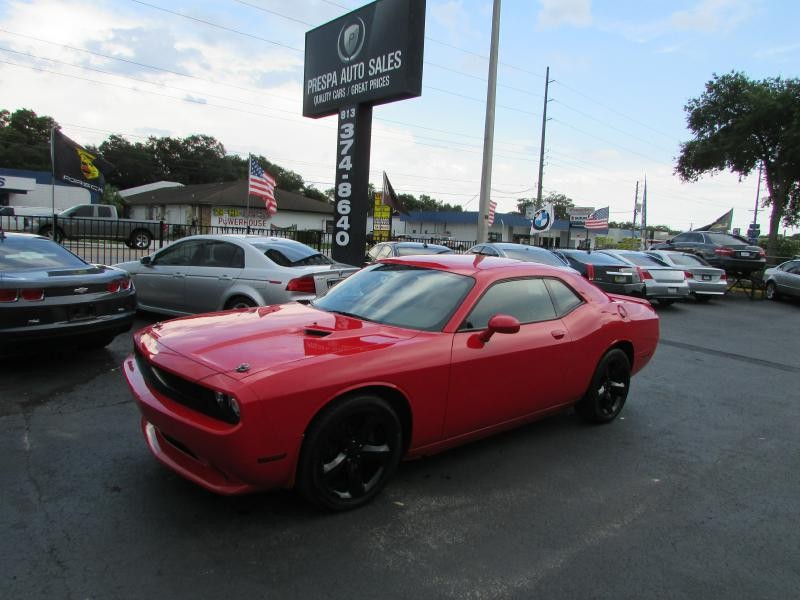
[(771, 291), (239, 302), (47, 231), (608, 390), (140, 239), (350, 451)]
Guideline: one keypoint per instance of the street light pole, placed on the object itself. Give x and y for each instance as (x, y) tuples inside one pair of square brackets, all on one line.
[(488, 132)]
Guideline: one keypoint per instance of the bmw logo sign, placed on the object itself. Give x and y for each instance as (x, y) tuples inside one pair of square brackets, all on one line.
[(541, 219), (351, 39)]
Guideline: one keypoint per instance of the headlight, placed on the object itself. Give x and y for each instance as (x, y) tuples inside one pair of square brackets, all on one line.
[(228, 405)]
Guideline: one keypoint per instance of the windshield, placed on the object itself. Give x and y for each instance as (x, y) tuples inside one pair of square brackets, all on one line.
[(726, 239), (595, 258), (35, 254), (400, 295), (292, 254)]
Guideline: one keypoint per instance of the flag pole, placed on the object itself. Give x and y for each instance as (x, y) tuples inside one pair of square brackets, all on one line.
[(249, 170), (53, 178)]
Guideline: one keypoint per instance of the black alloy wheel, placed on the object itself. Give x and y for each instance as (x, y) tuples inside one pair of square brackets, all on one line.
[(608, 390), (239, 302), (350, 452)]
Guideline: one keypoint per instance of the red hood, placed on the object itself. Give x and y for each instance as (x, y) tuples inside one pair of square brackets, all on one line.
[(269, 337)]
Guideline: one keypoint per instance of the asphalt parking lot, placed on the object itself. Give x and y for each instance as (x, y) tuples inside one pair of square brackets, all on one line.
[(693, 493)]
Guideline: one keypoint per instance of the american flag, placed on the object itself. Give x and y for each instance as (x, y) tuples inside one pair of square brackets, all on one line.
[(597, 220), (492, 207), (261, 184)]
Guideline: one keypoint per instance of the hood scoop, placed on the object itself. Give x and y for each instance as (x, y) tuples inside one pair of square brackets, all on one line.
[(318, 331)]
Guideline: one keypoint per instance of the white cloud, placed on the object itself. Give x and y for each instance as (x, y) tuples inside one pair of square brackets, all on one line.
[(710, 16), (565, 12)]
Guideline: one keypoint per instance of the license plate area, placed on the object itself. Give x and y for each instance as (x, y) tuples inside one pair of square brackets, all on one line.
[(672, 290), (620, 279), (745, 254), (706, 277), (82, 312)]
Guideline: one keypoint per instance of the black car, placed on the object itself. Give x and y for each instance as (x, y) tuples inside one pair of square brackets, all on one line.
[(733, 253), (609, 273), (389, 249), (519, 252), (50, 296)]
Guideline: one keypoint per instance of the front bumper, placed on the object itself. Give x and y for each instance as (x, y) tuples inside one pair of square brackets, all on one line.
[(227, 459)]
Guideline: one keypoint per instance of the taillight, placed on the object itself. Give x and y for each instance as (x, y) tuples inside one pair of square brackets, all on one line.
[(590, 272), (32, 294), (113, 286), (8, 295), (125, 284), (688, 274), (723, 251), (644, 273), (761, 253), (304, 284), (723, 277)]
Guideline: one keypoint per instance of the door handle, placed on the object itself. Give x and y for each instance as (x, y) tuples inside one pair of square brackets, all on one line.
[(558, 333), (178, 275)]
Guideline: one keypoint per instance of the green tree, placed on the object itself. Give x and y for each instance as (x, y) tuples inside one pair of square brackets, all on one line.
[(561, 204), (25, 140), (739, 124)]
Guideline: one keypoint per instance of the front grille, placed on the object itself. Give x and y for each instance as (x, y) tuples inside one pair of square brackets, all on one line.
[(182, 391)]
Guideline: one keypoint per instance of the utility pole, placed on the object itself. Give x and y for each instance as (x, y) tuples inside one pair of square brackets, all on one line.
[(488, 132), (635, 210), (541, 149)]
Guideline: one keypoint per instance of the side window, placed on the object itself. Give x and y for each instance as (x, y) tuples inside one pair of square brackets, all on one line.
[(385, 251), (179, 255), (375, 250), (489, 251), (83, 211), (793, 268), (526, 299), (104, 212), (475, 250), (564, 298), (219, 254)]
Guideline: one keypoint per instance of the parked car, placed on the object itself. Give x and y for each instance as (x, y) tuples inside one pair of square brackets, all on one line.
[(783, 280), (704, 280), (203, 273), (405, 358), (98, 221), (519, 252), (50, 296), (391, 249), (609, 273), (662, 282), (732, 253)]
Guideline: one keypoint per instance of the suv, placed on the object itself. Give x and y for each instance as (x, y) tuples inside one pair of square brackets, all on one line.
[(733, 253)]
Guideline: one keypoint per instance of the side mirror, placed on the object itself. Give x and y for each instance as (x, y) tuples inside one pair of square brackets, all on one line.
[(145, 260), (499, 324)]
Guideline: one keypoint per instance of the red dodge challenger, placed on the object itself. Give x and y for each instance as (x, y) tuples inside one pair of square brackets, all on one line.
[(407, 357)]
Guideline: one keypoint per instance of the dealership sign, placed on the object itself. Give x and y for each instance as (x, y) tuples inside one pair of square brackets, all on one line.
[(578, 214), (370, 56)]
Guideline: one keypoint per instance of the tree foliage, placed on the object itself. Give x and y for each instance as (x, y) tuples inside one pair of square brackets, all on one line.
[(561, 204), (25, 140), (739, 124)]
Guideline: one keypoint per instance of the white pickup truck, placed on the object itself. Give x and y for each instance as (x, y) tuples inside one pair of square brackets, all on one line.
[(98, 221)]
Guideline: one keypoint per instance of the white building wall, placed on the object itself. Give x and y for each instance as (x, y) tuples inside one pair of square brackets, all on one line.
[(41, 195)]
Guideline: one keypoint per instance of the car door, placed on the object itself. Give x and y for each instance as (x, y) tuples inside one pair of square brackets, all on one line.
[(162, 283), (512, 375), (788, 279), (212, 271)]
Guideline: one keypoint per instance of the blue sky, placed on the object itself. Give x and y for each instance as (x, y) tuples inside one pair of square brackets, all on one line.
[(622, 73)]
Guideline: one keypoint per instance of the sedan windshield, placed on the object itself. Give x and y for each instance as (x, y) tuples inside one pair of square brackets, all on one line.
[(34, 254), (400, 295)]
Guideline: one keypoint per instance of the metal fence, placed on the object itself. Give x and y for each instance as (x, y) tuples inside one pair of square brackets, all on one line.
[(103, 242)]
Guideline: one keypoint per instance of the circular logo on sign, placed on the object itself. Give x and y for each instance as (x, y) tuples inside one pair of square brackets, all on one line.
[(351, 39), (541, 219)]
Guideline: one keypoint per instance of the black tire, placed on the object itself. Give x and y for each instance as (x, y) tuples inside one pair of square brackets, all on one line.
[(239, 302), (140, 239), (47, 231), (771, 292), (350, 451), (608, 390)]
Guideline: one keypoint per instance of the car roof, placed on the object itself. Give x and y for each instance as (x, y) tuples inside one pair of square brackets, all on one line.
[(419, 245), (244, 238), (470, 264)]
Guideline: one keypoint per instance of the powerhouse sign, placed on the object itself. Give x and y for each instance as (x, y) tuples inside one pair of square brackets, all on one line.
[(370, 56)]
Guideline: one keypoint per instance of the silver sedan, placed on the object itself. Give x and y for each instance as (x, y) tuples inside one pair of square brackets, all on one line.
[(204, 273), (704, 280), (783, 280), (661, 281)]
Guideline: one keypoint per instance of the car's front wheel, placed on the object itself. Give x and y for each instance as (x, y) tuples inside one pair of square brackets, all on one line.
[(608, 390), (350, 451), (239, 302), (771, 291)]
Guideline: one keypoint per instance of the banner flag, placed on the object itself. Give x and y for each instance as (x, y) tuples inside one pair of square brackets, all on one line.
[(543, 219), (390, 198), (75, 165), (723, 224)]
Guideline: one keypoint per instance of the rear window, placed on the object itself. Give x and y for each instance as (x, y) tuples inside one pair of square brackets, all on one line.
[(644, 260), (292, 255), (416, 250), (726, 239), (596, 258), (544, 257), (33, 254), (687, 260)]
